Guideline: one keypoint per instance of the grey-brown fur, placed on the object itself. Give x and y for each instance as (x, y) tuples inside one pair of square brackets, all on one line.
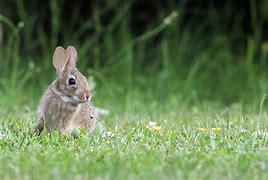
[(64, 107)]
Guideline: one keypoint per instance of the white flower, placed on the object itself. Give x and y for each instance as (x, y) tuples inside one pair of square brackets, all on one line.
[(3, 135), (153, 126), (152, 123), (108, 134)]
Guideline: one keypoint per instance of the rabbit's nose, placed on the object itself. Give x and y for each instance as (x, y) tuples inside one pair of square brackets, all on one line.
[(87, 97)]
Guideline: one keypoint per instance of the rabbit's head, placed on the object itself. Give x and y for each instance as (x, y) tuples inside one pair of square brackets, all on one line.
[(70, 84)]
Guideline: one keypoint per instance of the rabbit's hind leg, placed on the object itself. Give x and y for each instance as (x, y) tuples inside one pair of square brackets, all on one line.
[(40, 126)]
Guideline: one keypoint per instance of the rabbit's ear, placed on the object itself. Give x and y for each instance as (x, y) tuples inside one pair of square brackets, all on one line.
[(59, 58), (72, 56)]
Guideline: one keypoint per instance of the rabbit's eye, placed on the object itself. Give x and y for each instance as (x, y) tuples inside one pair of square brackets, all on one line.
[(71, 81)]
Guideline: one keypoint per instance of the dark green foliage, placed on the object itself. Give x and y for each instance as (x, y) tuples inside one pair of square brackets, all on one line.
[(163, 55)]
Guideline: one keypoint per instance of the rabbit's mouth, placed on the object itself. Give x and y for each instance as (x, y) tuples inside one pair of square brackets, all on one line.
[(82, 101), (74, 100), (77, 100)]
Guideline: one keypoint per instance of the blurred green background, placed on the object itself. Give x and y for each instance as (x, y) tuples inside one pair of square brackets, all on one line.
[(139, 55)]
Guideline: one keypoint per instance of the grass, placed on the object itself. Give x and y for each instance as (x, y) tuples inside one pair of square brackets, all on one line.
[(180, 150), (187, 76)]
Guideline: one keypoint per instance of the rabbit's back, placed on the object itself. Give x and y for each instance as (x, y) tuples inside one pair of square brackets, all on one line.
[(86, 119)]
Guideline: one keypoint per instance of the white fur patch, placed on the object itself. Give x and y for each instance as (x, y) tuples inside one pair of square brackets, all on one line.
[(66, 98)]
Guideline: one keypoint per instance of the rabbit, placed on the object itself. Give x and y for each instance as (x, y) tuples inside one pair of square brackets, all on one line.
[(65, 106)]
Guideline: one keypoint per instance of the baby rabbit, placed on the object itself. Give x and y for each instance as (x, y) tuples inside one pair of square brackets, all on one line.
[(65, 106)]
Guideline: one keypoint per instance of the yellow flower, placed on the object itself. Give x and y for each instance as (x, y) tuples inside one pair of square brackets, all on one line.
[(157, 128), (216, 129), (202, 129), (153, 126)]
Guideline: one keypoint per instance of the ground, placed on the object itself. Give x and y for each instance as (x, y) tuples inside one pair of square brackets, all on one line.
[(190, 144)]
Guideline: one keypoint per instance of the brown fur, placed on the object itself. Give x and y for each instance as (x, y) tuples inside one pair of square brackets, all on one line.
[(64, 107)]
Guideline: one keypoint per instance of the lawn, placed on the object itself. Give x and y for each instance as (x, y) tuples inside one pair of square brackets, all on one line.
[(184, 82), (196, 143)]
